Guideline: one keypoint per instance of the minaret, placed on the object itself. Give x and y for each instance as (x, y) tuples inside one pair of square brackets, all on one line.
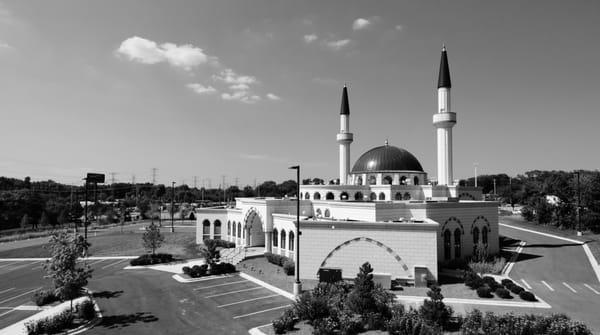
[(444, 120), (344, 138)]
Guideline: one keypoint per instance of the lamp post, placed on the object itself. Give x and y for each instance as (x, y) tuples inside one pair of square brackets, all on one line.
[(172, 206), (475, 164), (297, 284), (579, 233)]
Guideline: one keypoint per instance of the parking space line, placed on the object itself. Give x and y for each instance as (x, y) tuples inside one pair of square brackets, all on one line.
[(232, 292), (591, 288), (96, 262), (548, 286), (10, 289), (20, 295), (525, 283), (569, 287), (264, 310), (248, 300), (115, 263), (5, 265), (233, 282), (12, 310)]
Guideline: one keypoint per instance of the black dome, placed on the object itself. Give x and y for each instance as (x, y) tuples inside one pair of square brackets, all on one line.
[(386, 158)]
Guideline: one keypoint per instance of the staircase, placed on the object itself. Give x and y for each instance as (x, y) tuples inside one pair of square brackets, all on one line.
[(238, 254)]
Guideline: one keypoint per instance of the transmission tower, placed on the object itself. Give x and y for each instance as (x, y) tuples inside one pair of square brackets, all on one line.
[(154, 170)]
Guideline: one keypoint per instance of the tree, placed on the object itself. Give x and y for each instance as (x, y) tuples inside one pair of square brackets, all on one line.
[(25, 221), (44, 220), (361, 300), (210, 251), (68, 278), (63, 217), (434, 309), (152, 238)]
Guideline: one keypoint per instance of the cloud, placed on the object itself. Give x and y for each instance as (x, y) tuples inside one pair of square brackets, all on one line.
[(201, 89), (230, 77), (360, 23), (239, 87), (399, 27), (273, 97), (4, 45), (253, 156), (337, 45), (310, 38), (241, 96), (145, 51)]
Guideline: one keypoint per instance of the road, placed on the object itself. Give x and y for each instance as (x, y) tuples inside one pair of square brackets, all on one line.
[(559, 272)]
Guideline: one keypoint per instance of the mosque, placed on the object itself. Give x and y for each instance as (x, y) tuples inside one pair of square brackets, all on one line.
[(384, 210)]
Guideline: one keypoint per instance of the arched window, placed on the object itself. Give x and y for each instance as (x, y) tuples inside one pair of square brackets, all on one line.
[(403, 180), (372, 180), (239, 229), (233, 229), (205, 230), (416, 180), (358, 196), (291, 242), (387, 180), (475, 239), (306, 196), (484, 236), (217, 235), (275, 238), (381, 196), (373, 196), (398, 196), (329, 196), (457, 246), (282, 239), (447, 245), (344, 196), (319, 213), (327, 214), (359, 180), (317, 196), (406, 196), (228, 228)]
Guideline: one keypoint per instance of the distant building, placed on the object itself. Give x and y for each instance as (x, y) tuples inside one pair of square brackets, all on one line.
[(383, 210)]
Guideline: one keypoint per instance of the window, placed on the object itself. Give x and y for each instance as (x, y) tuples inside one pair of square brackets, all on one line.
[(475, 239), (228, 228), (387, 180), (398, 196), (373, 196), (457, 246), (406, 196), (416, 180), (358, 196), (282, 239), (217, 230), (329, 196), (327, 213), (484, 236), (403, 180), (372, 180), (275, 237), (306, 196), (381, 196), (233, 229), (359, 181), (291, 243), (344, 196), (317, 196), (319, 213), (447, 244), (206, 230), (239, 229)]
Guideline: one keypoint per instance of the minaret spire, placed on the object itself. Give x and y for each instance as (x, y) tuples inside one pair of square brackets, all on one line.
[(345, 108), (444, 120), (444, 76), (344, 137)]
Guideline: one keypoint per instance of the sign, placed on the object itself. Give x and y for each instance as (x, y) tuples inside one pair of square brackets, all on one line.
[(97, 178)]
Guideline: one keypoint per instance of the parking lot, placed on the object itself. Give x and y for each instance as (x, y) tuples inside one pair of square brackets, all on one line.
[(246, 302), (19, 280)]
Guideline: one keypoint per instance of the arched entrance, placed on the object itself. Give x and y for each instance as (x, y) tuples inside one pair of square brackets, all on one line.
[(253, 228)]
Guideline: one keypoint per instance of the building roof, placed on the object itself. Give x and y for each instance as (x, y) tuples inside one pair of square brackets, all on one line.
[(386, 158), (444, 77), (345, 109)]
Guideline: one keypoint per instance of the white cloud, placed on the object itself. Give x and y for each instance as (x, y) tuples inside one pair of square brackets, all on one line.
[(399, 27), (272, 96), (241, 96), (4, 45), (201, 89), (145, 51), (239, 87), (360, 23), (310, 38), (337, 45), (230, 77)]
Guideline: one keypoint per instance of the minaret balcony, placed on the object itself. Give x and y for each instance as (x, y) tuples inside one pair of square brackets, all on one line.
[(444, 120), (343, 138)]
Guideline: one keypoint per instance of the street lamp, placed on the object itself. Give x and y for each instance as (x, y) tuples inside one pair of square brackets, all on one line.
[(172, 206), (297, 284), (475, 165), (90, 178), (579, 233)]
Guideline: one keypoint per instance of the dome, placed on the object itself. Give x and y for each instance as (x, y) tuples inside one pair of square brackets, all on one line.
[(386, 158)]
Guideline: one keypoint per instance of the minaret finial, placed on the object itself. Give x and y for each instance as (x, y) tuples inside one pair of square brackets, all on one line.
[(443, 46), (386, 142), (444, 76)]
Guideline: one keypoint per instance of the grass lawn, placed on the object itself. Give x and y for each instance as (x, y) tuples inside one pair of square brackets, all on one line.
[(116, 244), (260, 268)]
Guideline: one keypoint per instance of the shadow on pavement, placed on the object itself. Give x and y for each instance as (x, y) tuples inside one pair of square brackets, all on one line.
[(508, 242), (551, 245), (107, 294), (124, 320), (508, 254)]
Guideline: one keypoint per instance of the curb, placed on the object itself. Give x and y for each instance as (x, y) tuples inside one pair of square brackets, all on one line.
[(257, 331), (182, 279), (93, 258), (418, 299)]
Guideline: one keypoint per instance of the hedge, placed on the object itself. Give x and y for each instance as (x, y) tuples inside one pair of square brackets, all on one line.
[(51, 325), (484, 292), (285, 262), (44, 297), (503, 293), (150, 259), (527, 296), (197, 271)]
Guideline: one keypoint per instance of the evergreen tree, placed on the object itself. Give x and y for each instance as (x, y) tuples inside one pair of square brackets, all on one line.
[(434, 309), (361, 299), (152, 238)]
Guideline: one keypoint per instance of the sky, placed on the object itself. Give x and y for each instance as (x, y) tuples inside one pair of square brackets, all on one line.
[(241, 90)]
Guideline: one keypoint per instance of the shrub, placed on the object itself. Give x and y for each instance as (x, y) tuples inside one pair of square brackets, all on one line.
[(289, 267), (494, 267), (44, 297), (350, 324), (222, 268), (150, 259), (311, 307), (85, 310), (186, 270), (325, 326), (198, 271), (484, 292), (491, 282), (286, 322), (275, 258), (475, 323), (410, 323), (473, 280), (50, 325), (516, 289), (503, 293), (527, 296), (506, 282)]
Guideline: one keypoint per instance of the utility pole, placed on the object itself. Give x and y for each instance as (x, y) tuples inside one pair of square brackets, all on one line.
[(475, 165), (236, 181), (154, 170), (579, 233), (297, 283), (223, 184), (172, 206), (494, 187), (112, 183), (510, 193), (195, 182)]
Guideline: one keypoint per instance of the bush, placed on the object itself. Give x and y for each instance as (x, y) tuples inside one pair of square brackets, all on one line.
[(286, 322), (186, 270), (85, 310), (491, 282), (503, 293), (44, 297), (350, 324), (434, 310), (484, 292), (325, 326), (506, 282), (289, 267), (276, 259), (50, 325), (527, 296), (198, 271), (473, 280), (410, 323), (494, 267), (516, 289), (150, 259), (222, 268)]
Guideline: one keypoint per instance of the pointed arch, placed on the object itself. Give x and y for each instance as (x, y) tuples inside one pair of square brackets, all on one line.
[(453, 219), (389, 250)]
